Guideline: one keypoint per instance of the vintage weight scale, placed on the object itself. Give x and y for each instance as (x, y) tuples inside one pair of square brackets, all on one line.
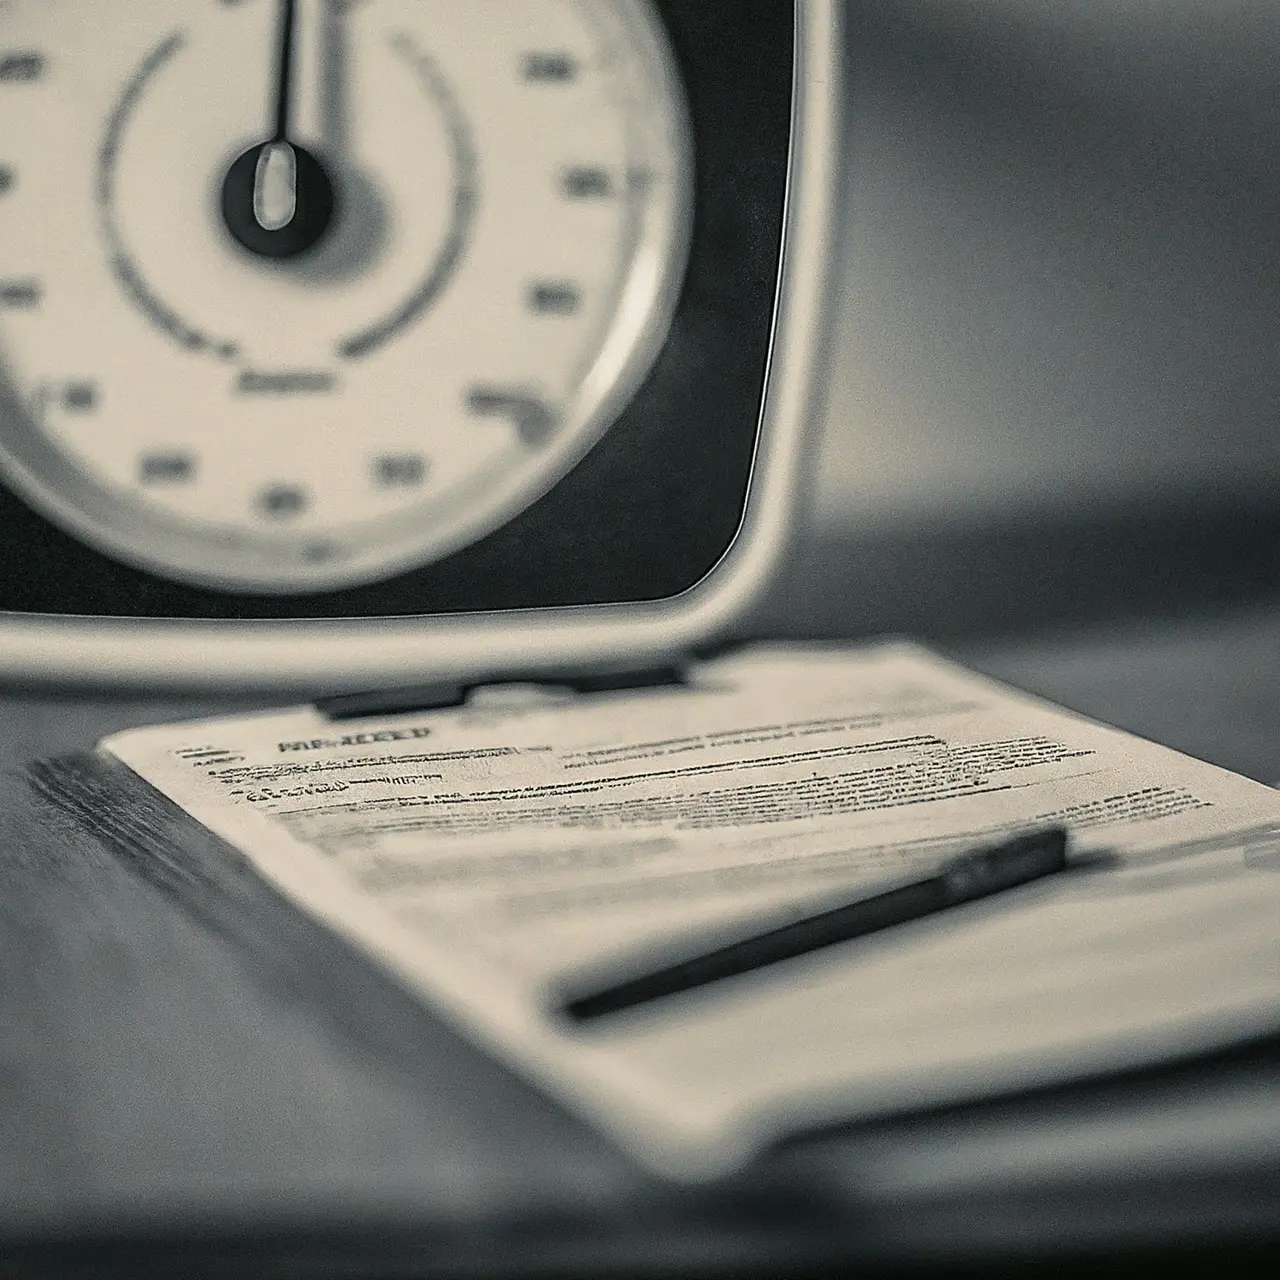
[(365, 341)]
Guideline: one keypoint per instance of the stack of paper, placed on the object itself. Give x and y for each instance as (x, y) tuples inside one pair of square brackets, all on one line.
[(499, 855)]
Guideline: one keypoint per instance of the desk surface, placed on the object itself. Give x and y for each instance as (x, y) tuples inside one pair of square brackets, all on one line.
[(161, 1094)]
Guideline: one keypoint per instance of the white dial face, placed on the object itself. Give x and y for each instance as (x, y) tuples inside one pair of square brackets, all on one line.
[(296, 296)]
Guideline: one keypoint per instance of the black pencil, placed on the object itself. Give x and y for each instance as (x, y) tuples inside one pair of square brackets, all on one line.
[(975, 874)]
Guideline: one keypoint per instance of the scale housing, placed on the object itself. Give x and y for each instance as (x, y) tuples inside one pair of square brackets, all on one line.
[(629, 561)]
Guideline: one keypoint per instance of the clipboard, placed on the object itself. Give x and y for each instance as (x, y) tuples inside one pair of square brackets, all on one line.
[(1157, 953)]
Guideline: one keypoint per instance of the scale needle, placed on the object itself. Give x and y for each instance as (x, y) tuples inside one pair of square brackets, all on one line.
[(277, 199)]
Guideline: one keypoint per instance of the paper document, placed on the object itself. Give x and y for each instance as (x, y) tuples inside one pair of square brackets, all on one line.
[(498, 855)]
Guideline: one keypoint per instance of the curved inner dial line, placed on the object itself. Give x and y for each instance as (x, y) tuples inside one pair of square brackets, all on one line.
[(139, 291), (466, 198)]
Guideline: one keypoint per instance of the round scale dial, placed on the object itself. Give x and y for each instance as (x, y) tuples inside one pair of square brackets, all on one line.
[(299, 295)]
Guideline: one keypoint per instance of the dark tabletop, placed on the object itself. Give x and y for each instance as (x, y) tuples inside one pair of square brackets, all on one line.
[(170, 1101)]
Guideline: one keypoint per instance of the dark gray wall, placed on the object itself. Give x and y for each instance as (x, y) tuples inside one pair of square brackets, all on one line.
[(1058, 328)]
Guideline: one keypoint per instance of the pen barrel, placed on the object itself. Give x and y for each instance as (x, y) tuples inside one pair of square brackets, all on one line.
[(972, 875), (986, 871), (788, 941)]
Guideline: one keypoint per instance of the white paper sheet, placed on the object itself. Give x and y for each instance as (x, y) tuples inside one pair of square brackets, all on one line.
[(499, 855)]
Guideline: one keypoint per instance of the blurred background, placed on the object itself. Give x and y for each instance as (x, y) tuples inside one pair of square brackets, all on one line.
[(1055, 361)]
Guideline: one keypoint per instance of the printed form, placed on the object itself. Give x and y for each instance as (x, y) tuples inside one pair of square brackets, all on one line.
[(501, 855)]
